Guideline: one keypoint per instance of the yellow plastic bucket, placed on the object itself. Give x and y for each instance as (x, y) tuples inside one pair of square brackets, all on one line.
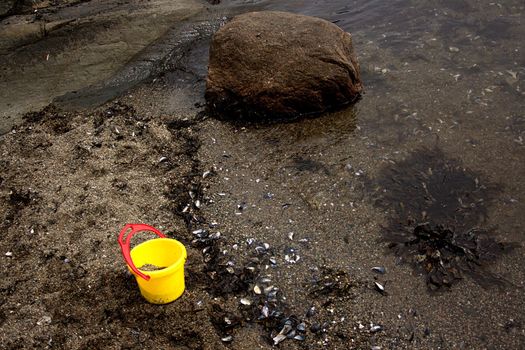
[(161, 286)]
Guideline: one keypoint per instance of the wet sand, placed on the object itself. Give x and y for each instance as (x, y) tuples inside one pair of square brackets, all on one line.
[(437, 137)]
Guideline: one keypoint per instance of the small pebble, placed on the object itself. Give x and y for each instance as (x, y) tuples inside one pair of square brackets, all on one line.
[(9, 254)]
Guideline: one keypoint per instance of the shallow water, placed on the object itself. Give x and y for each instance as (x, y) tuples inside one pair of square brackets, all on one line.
[(437, 138)]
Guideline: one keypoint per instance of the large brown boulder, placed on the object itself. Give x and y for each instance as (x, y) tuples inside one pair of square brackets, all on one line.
[(276, 64)]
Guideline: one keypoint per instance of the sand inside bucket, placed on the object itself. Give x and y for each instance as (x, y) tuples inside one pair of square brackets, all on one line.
[(151, 267)]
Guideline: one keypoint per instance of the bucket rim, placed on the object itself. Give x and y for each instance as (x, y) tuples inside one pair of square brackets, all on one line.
[(168, 270)]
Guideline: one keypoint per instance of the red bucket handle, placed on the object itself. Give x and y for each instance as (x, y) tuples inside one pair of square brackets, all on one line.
[(124, 242)]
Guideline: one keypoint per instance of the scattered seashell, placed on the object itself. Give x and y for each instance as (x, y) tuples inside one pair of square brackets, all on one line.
[(269, 289), (290, 236), (379, 269), (246, 301), (310, 312), (257, 289), (227, 339), (163, 159), (380, 288), (216, 235), (375, 329), (9, 254), (265, 311), (278, 338), (315, 327), (282, 334)]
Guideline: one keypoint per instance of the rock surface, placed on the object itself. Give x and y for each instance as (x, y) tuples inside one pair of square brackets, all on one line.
[(6, 6), (273, 64)]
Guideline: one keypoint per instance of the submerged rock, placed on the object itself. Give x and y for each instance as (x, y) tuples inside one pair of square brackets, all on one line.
[(278, 65)]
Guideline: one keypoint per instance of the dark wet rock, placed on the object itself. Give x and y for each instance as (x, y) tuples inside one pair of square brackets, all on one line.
[(278, 65)]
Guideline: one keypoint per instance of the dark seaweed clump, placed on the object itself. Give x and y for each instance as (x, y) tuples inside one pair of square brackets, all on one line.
[(445, 255), (437, 212)]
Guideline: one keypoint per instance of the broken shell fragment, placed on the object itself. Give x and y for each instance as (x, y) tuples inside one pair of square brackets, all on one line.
[(375, 329), (310, 312), (278, 338), (379, 269), (379, 287), (269, 289), (265, 311), (227, 339), (246, 301), (282, 334), (257, 289)]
